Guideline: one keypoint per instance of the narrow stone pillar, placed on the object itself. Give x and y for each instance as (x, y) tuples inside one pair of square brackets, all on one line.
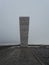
[(24, 29)]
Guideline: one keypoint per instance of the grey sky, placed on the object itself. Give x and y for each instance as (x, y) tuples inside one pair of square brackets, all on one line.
[(38, 10)]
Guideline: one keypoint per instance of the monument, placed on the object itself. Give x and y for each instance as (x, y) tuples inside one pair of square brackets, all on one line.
[(24, 29)]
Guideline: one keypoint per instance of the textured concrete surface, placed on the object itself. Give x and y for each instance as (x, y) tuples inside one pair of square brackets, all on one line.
[(24, 29), (20, 56), (43, 54)]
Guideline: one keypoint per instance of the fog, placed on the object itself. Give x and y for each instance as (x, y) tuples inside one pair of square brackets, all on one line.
[(11, 10)]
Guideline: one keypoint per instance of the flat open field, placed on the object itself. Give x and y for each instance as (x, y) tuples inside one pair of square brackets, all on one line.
[(16, 55)]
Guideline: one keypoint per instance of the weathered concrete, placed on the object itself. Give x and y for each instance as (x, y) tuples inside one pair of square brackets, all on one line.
[(18, 56), (24, 29)]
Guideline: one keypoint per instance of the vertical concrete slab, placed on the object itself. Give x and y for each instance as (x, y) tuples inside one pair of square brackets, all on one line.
[(24, 29)]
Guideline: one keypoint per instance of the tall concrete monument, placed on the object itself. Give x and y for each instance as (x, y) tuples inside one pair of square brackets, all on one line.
[(24, 29)]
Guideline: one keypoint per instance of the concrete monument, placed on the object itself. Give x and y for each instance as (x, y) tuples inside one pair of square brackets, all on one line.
[(24, 29)]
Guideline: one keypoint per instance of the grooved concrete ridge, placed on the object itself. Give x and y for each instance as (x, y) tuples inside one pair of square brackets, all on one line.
[(18, 56)]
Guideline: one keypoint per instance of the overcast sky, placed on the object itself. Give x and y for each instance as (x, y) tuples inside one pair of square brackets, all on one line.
[(37, 10)]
